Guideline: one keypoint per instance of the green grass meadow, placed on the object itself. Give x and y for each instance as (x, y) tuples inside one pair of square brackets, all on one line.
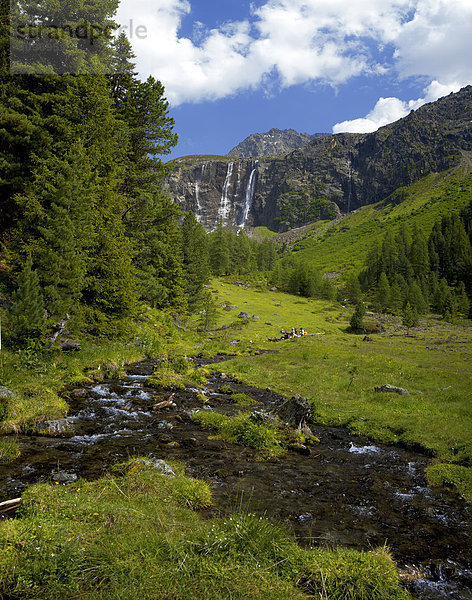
[(433, 362)]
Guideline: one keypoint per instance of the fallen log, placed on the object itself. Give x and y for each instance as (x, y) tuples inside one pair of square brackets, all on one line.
[(9, 505)]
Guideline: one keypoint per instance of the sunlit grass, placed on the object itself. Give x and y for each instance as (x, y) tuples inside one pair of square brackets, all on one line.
[(136, 536)]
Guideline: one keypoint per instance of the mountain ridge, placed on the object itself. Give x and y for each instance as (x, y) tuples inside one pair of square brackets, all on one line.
[(273, 143), (330, 175)]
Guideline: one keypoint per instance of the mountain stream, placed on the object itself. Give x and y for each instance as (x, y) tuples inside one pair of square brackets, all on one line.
[(348, 492)]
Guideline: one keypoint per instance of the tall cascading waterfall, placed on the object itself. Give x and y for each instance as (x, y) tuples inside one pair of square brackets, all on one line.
[(198, 206), (251, 185), (225, 204)]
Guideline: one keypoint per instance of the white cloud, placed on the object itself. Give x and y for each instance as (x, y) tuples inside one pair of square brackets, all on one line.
[(388, 110), (437, 42), (299, 41)]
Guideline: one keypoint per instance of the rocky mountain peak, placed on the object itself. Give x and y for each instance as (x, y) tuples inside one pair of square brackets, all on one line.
[(273, 143)]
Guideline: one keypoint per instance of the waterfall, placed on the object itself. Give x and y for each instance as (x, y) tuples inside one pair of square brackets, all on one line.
[(198, 206), (225, 206), (249, 195)]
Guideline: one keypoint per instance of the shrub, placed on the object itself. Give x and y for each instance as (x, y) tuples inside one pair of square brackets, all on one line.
[(357, 319)]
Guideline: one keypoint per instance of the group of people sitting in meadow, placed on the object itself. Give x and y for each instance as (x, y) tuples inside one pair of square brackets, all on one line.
[(293, 333)]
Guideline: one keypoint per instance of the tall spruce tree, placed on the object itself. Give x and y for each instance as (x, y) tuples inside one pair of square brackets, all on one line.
[(27, 317), (56, 227), (195, 260), (157, 254), (382, 294)]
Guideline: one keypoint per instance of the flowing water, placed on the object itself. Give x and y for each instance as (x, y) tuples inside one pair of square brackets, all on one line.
[(348, 492)]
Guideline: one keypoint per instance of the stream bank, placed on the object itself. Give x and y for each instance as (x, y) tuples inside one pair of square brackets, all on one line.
[(348, 492)]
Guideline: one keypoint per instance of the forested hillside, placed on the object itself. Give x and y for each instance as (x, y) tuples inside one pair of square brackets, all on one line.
[(84, 227)]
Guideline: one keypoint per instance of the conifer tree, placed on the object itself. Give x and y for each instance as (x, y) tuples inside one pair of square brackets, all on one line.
[(415, 298), (418, 254), (196, 259), (462, 301), (353, 290), (208, 311), (441, 296), (242, 260), (57, 226), (266, 255), (409, 317), (157, 255), (357, 319), (27, 315), (382, 295), (395, 298)]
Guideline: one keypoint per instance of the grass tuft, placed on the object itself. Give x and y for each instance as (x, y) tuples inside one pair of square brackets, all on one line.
[(454, 476)]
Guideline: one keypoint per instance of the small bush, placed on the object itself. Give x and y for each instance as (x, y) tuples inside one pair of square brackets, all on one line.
[(166, 379), (344, 574)]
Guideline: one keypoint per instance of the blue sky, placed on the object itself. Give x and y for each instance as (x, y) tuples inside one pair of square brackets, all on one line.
[(232, 68)]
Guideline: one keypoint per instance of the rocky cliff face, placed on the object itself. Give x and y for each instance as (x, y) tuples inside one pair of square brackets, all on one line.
[(215, 190), (330, 174), (274, 142)]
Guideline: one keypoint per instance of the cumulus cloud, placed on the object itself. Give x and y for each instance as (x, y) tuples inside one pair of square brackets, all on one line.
[(293, 42), (388, 110)]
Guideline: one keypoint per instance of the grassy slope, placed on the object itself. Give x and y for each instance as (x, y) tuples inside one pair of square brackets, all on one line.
[(435, 361), (262, 233), (343, 246)]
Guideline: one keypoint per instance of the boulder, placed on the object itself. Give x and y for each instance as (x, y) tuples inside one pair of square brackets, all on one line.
[(300, 449), (6, 392), (190, 442), (231, 307), (386, 388), (304, 518), (56, 427), (263, 416), (243, 315), (295, 411), (255, 317), (79, 393), (63, 477), (157, 464), (67, 345)]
